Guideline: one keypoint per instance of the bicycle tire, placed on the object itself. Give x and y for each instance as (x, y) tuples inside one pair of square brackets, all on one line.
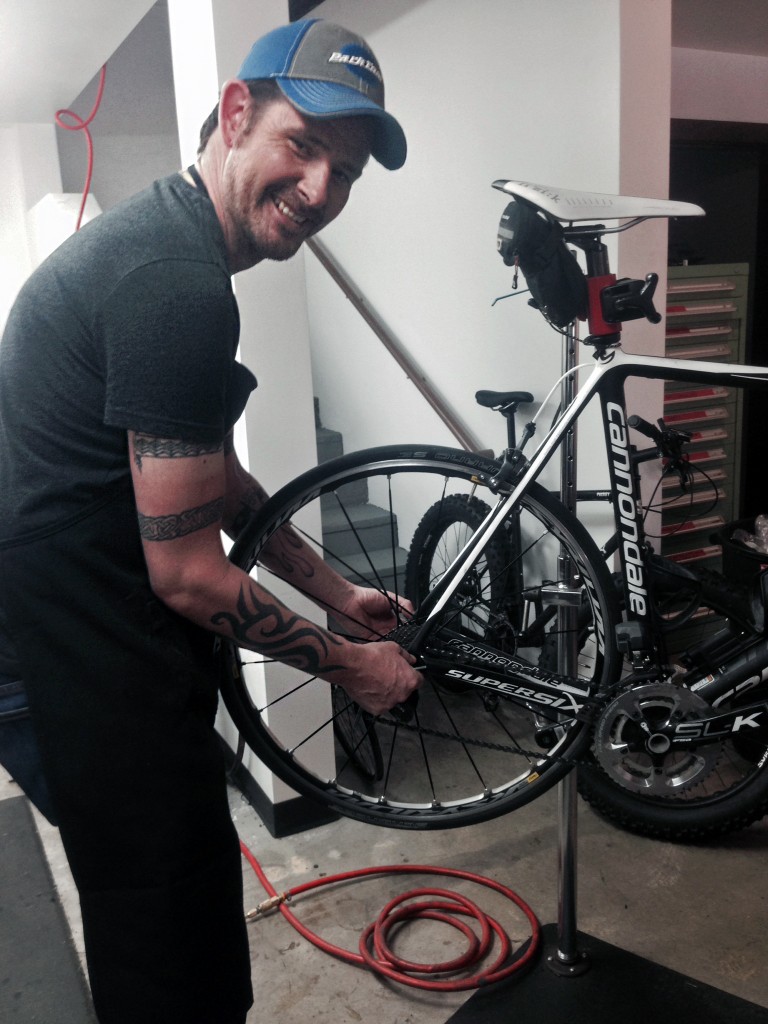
[(441, 535), (733, 793), (727, 791), (464, 758)]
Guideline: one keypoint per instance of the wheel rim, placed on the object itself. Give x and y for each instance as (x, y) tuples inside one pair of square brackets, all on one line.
[(468, 753)]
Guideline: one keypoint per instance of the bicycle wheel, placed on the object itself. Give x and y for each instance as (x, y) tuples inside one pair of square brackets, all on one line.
[(483, 597), (355, 731), (465, 756), (710, 789)]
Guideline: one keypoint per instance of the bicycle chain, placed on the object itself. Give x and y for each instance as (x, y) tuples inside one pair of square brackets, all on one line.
[(407, 632), (475, 663)]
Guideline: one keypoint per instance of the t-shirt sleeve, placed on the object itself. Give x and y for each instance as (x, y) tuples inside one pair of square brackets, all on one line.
[(171, 331)]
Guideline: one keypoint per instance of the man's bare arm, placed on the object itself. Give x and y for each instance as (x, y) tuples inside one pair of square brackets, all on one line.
[(181, 499)]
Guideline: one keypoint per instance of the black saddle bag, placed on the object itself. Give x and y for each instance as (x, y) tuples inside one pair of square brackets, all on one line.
[(535, 243)]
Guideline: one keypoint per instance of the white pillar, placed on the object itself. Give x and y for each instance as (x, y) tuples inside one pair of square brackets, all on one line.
[(209, 39)]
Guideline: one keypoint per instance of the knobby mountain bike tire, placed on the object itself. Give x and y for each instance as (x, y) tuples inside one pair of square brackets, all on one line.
[(473, 749), (708, 789)]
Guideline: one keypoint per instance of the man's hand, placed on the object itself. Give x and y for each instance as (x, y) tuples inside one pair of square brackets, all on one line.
[(369, 614), (381, 677)]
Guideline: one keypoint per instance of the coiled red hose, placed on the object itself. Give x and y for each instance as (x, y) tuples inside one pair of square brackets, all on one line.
[(441, 905)]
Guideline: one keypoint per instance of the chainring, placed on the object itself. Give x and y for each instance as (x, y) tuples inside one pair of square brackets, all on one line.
[(632, 742)]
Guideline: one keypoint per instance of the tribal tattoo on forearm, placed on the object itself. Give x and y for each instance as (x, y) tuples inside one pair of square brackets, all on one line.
[(285, 558), (251, 501), (279, 634)]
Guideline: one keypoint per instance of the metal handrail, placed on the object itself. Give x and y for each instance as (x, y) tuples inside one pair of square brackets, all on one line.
[(462, 434)]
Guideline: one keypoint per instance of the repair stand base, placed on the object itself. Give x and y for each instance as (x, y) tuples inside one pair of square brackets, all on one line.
[(619, 986)]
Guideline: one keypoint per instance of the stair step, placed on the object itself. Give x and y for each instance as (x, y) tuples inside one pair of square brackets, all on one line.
[(371, 529), (330, 444), (355, 493), (357, 568)]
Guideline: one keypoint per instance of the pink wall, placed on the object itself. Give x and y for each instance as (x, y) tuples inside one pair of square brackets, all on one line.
[(714, 86)]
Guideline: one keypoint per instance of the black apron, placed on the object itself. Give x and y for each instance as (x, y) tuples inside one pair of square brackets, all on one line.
[(123, 695)]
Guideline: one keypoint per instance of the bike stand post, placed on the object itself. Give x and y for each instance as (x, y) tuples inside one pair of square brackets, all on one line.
[(567, 960)]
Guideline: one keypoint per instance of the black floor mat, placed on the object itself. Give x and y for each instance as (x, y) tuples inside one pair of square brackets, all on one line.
[(40, 975), (618, 986)]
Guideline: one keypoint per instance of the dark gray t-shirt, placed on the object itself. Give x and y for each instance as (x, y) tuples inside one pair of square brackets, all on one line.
[(131, 324)]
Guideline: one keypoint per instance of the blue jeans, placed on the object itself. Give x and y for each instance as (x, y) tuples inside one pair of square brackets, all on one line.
[(19, 753)]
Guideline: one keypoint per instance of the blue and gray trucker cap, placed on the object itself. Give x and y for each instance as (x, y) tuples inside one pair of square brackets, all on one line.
[(326, 71)]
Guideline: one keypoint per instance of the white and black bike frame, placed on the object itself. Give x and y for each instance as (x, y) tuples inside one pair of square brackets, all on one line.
[(606, 382)]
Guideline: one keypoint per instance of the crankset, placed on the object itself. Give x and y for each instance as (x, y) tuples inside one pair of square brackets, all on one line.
[(641, 741)]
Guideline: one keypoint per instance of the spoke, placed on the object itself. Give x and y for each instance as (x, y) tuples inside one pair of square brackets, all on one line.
[(426, 762), (466, 749), (363, 548), (284, 696)]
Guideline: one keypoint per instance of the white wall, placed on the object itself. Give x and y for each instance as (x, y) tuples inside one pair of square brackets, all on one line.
[(535, 89), (134, 129), (644, 170), (30, 170)]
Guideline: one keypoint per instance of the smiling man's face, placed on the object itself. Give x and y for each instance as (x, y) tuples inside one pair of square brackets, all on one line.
[(285, 177)]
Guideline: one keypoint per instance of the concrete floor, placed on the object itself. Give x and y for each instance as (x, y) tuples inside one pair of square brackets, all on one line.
[(702, 911)]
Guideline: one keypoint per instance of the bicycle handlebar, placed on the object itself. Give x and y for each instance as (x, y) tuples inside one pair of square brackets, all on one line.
[(669, 442)]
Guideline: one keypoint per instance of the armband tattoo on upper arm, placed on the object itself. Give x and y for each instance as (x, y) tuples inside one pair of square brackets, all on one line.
[(170, 448), (175, 526)]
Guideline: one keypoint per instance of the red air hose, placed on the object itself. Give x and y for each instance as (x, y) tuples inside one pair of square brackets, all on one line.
[(81, 125), (440, 905)]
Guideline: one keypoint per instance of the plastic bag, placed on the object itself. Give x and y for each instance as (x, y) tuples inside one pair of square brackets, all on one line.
[(757, 541)]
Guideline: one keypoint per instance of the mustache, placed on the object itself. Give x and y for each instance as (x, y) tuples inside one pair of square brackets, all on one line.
[(312, 215)]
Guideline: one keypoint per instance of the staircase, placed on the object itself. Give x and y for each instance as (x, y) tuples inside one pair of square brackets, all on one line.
[(351, 550)]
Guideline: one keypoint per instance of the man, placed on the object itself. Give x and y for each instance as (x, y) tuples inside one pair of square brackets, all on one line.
[(118, 393)]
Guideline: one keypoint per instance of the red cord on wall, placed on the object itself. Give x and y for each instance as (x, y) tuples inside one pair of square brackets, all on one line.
[(81, 125), (375, 952)]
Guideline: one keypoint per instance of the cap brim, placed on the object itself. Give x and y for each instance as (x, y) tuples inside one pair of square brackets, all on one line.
[(329, 100)]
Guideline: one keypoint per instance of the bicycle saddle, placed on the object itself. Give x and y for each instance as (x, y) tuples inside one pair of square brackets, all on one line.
[(492, 399), (570, 205)]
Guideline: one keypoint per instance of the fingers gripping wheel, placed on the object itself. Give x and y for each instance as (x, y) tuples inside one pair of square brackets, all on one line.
[(468, 752)]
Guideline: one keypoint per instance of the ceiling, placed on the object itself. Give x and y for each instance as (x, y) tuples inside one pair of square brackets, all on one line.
[(50, 50), (732, 26)]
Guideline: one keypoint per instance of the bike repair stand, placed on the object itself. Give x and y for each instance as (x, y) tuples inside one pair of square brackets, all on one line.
[(567, 960), (608, 982)]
